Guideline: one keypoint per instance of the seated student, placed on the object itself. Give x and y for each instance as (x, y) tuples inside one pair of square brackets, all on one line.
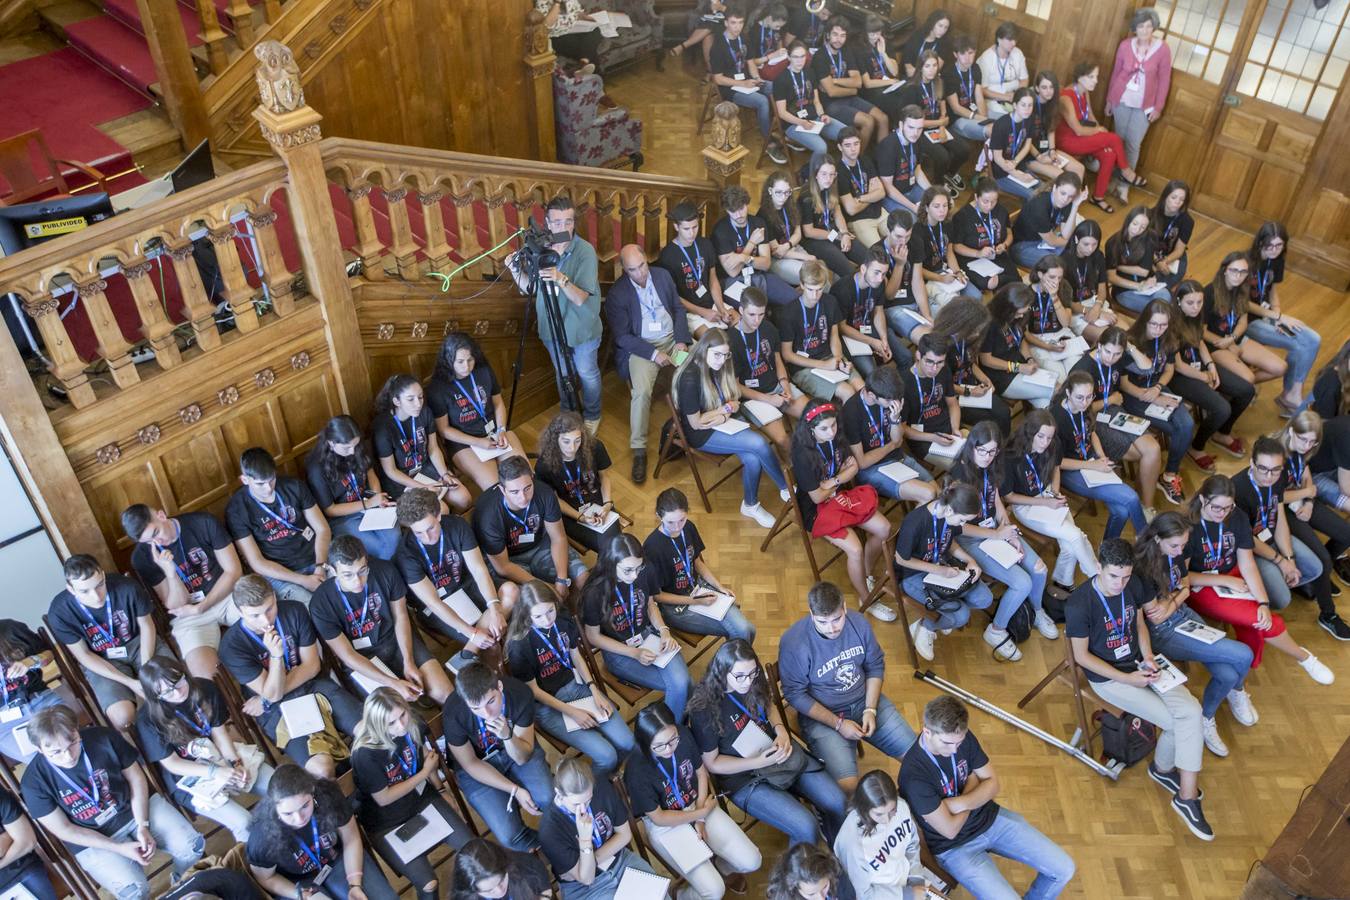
[(519, 527), (1218, 395), (1013, 158), (1031, 477), (1330, 465), (1085, 281), (683, 578), (304, 832), (732, 64), (106, 623), (689, 260), (707, 395), (1118, 655), (362, 615), (216, 881), (185, 727), (1080, 448), (1329, 397), (23, 871), (1047, 220), (881, 70), (810, 339), (1220, 555), (1153, 341), (86, 788), (394, 761), (932, 411), (620, 612), (805, 872), (1051, 323), (1159, 558), (878, 845), (862, 313), (576, 465), (1006, 354), (832, 668), (277, 527), (860, 191), (705, 23), (434, 578), (1172, 226), (783, 228), (404, 435), (822, 464), (1269, 326), (962, 325), (743, 250), (584, 833), (485, 871), (545, 652), (797, 103), (1129, 261), (489, 734), (759, 368), (980, 465), (901, 172), (825, 233), (874, 429), (965, 93), (273, 652), (908, 316), (342, 480), (839, 75), (466, 404), (1079, 133), (769, 781), (1301, 438), (932, 37), (962, 824), (191, 565), (765, 33), (927, 545), (1044, 123), (1003, 68), (933, 248), (1227, 316), (981, 230), (668, 786), (944, 153), (23, 655), (1103, 366)]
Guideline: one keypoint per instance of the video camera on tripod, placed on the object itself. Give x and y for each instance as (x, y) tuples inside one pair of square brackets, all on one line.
[(536, 254)]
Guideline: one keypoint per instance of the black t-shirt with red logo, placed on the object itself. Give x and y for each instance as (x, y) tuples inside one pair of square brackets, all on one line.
[(925, 537), (856, 303), (755, 356), (1108, 623), (86, 791), (1084, 275), (674, 559), (243, 655), (278, 527), (621, 613), (808, 329), (295, 855), (558, 830), (689, 268), (466, 403), (1214, 547), (200, 535), (811, 467), (463, 727), (1003, 342), (734, 713), (574, 484), (26, 643), (376, 769), (926, 780), (360, 614), (545, 656), (408, 441), (113, 625), (649, 781), (443, 562), (926, 401), (1105, 379), (499, 528)]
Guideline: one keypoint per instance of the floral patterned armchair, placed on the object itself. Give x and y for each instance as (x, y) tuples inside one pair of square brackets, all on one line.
[(645, 36), (588, 135)]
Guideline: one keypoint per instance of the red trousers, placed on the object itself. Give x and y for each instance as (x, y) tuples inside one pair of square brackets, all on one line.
[(1238, 613), (1105, 146)]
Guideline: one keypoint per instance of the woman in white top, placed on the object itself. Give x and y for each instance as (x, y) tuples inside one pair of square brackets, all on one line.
[(560, 17), (1003, 69), (1138, 88), (878, 844)]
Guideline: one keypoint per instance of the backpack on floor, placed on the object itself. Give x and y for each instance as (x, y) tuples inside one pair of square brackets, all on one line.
[(1126, 740), (667, 436), (1021, 623)]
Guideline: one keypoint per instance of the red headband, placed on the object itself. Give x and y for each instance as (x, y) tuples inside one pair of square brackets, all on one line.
[(818, 411)]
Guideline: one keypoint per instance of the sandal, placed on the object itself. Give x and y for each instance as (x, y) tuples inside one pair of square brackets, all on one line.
[(1100, 203), (677, 50), (1139, 180)]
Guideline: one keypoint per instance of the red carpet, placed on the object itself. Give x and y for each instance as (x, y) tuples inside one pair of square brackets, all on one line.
[(116, 48)]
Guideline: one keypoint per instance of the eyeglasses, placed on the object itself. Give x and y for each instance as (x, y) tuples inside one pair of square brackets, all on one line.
[(786, 192), (666, 746), (1267, 470), (1222, 509), (165, 690), (744, 677), (631, 570), (986, 451), (1233, 270)]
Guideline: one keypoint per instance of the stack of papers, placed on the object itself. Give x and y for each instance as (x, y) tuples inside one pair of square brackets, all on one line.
[(1026, 179), (984, 401), (379, 518), (462, 606), (1043, 377), (986, 267), (745, 88), (1073, 346), (732, 289), (697, 322), (1127, 423), (898, 472), (367, 683), (855, 347), (486, 453), (833, 376), (811, 127), (1002, 552), (1158, 411), (434, 830), (653, 643), (302, 715), (1047, 516)]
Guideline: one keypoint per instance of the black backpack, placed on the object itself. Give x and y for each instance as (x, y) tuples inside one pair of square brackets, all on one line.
[(1021, 623), (667, 449), (1127, 740)]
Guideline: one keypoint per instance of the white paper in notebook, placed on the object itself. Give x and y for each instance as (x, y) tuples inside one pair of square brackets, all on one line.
[(892, 87), (812, 128), (856, 347), (986, 267), (943, 581), (947, 451), (588, 704), (898, 472), (778, 57), (423, 478), (1073, 346), (1045, 515), (732, 290), (463, 607), (434, 830), (1097, 479), (745, 89), (1158, 288), (916, 315), (1026, 179), (302, 715), (731, 426), (752, 741), (653, 643), (1042, 377), (1199, 631), (1169, 676), (1001, 551), (681, 844), (1228, 593), (367, 683), (1157, 411), (764, 413), (984, 401), (19, 892), (604, 524), (487, 453), (379, 518), (636, 884), (697, 322), (716, 610), (833, 376)]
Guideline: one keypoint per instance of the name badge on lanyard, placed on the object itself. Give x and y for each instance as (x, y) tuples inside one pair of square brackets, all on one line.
[(526, 536)]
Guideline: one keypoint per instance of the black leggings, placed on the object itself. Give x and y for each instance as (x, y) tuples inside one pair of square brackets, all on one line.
[(944, 159), (1321, 585), (1218, 410), (840, 263), (1327, 521), (578, 46)]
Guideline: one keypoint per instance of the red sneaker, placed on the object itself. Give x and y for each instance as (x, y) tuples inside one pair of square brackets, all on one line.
[(1232, 446)]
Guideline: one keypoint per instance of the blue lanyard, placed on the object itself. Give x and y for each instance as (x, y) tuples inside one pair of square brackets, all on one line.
[(365, 607), (1296, 465), (560, 652), (737, 50), (923, 401), (752, 360), (1083, 286), (84, 611), (940, 242), (836, 65), (472, 395), (314, 854), (1035, 475), (522, 522), (1117, 631), (484, 736), (1015, 139), (198, 723), (867, 307), (1016, 334), (631, 607), (961, 362), (673, 779), (955, 784), (721, 395), (596, 837), (883, 70), (742, 241), (1003, 73), (760, 719), (92, 795), (909, 153), (1214, 549), (576, 480), (801, 87), (808, 322), (353, 486), (1231, 319), (682, 546), (825, 206), (878, 430), (276, 516), (967, 79), (695, 263), (285, 642), (989, 227), (1080, 432), (1172, 578), (1171, 227), (787, 225), (1107, 375), (185, 568), (930, 99), (1045, 309), (415, 455), (1058, 214), (409, 768), (859, 178), (1265, 507), (1263, 278), (767, 38), (831, 460), (939, 537), (984, 495), (1156, 365), (433, 568)]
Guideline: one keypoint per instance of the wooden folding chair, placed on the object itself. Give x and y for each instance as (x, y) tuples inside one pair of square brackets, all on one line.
[(1069, 670), (72, 673), (711, 97), (692, 456), (67, 876)]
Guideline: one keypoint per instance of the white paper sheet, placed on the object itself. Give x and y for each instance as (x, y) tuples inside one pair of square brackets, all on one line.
[(607, 521), (892, 87), (1169, 676), (1043, 377), (717, 610), (636, 884), (984, 401), (1047, 516), (833, 376), (367, 683), (752, 741), (1096, 479), (1128, 423), (898, 472), (776, 58), (434, 831), (588, 704), (1199, 631), (745, 88), (681, 844), (855, 347), (487, 453), (463, 607), (697, 322), (942, 581), (732, 426), (764, 413), (653, 643), (1026, 179), (948, 451), (1002, 552), (732, 290), (302, 715), (986, 267), (423, 478), (812, 127)]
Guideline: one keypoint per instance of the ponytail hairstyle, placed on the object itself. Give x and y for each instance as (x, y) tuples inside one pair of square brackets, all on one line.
[(394, 385), (1213, 486), (707, 695), (966, 470), (875, 789), (960, 498), (1023, 440), (333, 466), (1190, 330), (1149, 559), (1228, 300), (604, 576), (1340, 365), (802, 864), (478, 860), (804, 441)]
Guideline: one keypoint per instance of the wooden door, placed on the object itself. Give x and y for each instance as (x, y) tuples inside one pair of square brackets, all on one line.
[(980, 18)]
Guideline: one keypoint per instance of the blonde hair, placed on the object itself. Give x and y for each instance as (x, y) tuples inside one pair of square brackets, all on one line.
[(373, 731), (1303, 423), (709, 381), (814, 274), (573, 776)]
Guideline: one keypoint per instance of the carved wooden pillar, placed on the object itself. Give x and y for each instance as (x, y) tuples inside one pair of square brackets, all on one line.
[(724, 154), (433, 222), (404, 247), (67, 367), (197, 305), (173, 64), (241, 17), (112, 346), (214, 37), (368, 245), (272, 9), (605, 251), (275, 274), (469, 247), (292, 128), (539, 62), (651, 226), (238, 292), (156, 327)]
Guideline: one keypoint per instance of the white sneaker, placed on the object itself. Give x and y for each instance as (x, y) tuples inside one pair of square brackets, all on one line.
[(784, 495), (1317, 670), (758, 513), (871, 583), (1046, 626), (1240, 705), (1212, 739), (1003, 646), (882, 612), (592, 426), (924, 638)]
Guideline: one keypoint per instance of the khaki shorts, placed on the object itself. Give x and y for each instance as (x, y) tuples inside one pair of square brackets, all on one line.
[(203, 629)]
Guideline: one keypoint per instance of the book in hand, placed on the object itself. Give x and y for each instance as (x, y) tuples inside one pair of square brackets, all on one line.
[(1169, 676), (1158, 411), (681, 844), (751, 742), (636, 884), (603, 525), (1093, 478), (462, 606), (379, 518), (486, 453), (937, 448), (943, 581), (423, 478), (1127, 423), (1228, 593), (764, 413), (1199, 631), (588, 704), (1002, 552), (811, 127), (855, 347), (717, 610), (652, 642), (898, 472), (1026, 179)]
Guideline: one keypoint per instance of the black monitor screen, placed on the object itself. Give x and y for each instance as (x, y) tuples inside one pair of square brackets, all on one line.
[(26, 224), (195, 169)]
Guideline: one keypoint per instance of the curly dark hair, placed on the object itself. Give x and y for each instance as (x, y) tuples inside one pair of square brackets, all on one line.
[(330, 805), (333, 466), (550, 457), (802, 864), (707, 697), (454, 342)]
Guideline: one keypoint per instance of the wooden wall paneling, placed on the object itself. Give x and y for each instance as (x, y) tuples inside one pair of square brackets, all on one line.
[(198, 472)]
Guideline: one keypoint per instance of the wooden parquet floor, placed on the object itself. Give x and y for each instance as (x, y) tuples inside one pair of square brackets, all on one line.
[(1126, 841)]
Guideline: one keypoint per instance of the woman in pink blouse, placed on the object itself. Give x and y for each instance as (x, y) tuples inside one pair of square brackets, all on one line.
[(1138, 89)]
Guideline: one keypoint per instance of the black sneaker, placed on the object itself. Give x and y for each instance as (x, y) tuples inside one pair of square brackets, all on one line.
[(1335, 588), (1341, 566), (1335, 626), (1194, 817), (1170, 780), (776, 153)]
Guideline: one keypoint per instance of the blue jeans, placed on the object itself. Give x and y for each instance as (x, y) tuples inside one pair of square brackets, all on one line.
[(490, 803), (816, 142), (1022, 580), (978, 597), (733, 625), (127, 880), (606, 882), (1122, 502), (893, 736), (761, 103), (884, 484), (1012, 837), (1009, 185), (782, 810), (1309, 567), (373, 883), (32, 874), (585, 358), (346, 714), (605, 744), (1027, 253), (1135, 301), (1300, 349), (1179, 428), (289, 590), (1328, 487), (673, 680), (380, 544), (970, 130), (1227, 660), (756, 454), (913, 195)]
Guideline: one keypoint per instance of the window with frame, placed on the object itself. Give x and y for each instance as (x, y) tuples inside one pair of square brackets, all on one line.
[(1037, 9), (1201, 34), (1299, 56)]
